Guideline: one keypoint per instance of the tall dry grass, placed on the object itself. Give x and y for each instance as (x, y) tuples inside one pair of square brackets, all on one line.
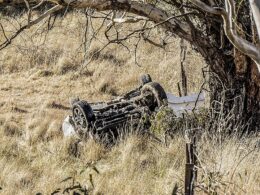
[(135, 165), (39, 73)]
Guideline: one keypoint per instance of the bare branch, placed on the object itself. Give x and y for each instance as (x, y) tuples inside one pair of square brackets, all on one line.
[(179, 27), (129, 19), (38, 5), (255, 6), (241, 44), (3, 30), (37, 20), (146, 10)]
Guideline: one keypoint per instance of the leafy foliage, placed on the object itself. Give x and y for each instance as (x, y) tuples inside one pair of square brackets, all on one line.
[(167, 122)]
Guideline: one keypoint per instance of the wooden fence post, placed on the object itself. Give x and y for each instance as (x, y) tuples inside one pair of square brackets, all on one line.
[(184, 83), (190, 167)]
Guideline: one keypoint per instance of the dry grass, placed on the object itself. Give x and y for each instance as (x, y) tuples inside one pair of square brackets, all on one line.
[(38, 78), (136, 165)]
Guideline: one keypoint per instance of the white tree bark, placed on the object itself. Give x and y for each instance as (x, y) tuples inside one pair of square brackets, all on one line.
[(228, 14), (255, 6)]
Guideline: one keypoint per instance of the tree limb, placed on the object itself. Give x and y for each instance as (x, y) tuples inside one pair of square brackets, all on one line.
[(227, 14), (29, 24), (145, 10), (255, 6)]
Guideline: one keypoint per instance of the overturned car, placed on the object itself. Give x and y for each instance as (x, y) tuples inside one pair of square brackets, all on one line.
[(109, 117)]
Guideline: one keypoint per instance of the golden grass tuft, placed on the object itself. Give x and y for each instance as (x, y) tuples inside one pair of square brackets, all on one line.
[(107, 87), (65, 65), (11, 129), (43, 73)]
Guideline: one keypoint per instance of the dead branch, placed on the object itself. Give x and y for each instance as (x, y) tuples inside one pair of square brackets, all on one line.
[(29, 24), (255, 6), (228, 15), (141, 10), (182, 28)]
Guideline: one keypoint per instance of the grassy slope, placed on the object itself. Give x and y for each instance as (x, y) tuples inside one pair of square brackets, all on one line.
[(36, 82)]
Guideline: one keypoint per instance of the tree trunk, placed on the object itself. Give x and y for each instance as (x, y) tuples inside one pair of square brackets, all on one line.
[(235, 79), (235, 82), (240, 92)]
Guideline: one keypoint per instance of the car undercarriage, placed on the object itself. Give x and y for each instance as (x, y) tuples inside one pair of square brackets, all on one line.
[(109, 117)]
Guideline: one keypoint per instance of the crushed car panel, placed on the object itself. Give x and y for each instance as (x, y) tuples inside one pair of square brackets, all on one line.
[(132, 107), (99, 118)]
